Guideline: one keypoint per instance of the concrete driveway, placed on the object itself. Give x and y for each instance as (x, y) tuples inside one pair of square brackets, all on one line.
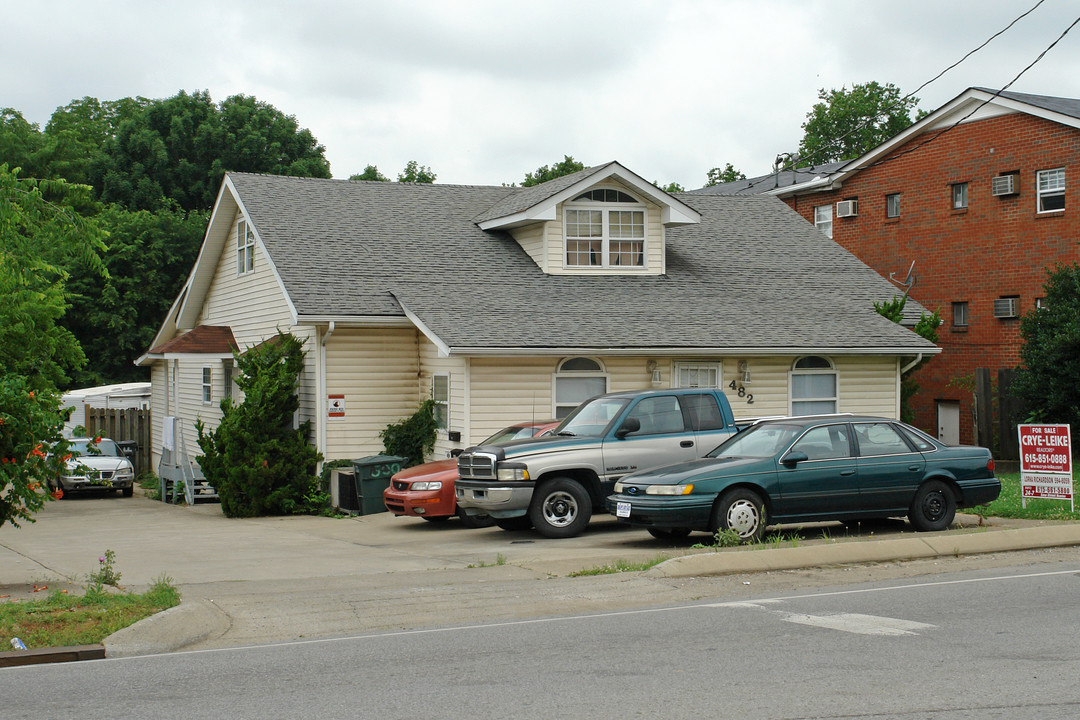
[(267, 579)]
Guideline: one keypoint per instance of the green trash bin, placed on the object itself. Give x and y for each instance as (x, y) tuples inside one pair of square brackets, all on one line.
[(372, 477)]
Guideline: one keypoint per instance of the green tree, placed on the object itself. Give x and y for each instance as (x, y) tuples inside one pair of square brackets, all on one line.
[(566, 166), (926, 327), (38, 231), (115, 318), (21, 142), (179, 148), (671, 187), (370, 173), (414, 172), (76, 136), (716, 176), (848, 123), (259, 463), (1048, 380)]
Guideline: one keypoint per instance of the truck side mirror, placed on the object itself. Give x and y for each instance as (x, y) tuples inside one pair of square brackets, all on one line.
[(630, 424)]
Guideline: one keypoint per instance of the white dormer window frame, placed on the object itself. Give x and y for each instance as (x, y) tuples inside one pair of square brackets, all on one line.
[(605, 228), (245, 248)]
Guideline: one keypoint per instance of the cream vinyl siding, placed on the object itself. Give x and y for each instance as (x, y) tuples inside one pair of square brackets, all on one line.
[(505, 391), (532, 240), (430, 365), (377, 372), (158, 409), (868, 385)]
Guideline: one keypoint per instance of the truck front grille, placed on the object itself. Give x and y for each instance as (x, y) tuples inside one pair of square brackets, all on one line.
[(476, 466)]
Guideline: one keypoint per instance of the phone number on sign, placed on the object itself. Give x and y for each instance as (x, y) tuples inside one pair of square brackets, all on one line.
[(1044, 458)]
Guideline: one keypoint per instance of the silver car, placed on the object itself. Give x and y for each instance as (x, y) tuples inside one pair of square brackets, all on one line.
[(97, 465)]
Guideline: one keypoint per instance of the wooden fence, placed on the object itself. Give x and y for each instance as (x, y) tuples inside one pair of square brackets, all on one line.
[(131, 424)]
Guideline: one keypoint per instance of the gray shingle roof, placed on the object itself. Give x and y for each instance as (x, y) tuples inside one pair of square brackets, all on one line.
[(1065, 106), (752, 274), (519, 199), (772, 181)]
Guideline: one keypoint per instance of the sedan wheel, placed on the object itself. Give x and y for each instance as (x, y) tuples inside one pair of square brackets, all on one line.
[(741, 511), (934, 507)]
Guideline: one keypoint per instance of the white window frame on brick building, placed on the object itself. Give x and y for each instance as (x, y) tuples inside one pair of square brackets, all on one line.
[(1050, 188), (823, 219)]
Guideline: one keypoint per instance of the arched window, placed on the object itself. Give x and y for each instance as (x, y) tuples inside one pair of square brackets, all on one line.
[(576, 380), (813, 386), (605, 227)]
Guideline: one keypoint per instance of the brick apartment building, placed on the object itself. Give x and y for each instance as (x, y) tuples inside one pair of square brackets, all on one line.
[(974, 200)]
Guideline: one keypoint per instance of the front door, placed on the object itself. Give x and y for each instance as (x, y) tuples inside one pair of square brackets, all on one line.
[(948, 421), (827, 481), (663, 439)]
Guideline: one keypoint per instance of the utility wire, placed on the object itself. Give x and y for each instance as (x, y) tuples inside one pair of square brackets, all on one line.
[(902, 100)]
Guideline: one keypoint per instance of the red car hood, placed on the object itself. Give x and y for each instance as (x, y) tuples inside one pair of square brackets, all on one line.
[(430, 471)]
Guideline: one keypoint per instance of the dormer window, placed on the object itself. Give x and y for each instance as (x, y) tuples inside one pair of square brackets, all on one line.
[(605, 228)]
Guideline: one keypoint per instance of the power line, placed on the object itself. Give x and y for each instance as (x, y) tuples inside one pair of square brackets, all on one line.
[(903, 99)]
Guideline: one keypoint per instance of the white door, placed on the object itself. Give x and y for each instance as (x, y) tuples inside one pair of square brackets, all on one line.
[(948, 420)]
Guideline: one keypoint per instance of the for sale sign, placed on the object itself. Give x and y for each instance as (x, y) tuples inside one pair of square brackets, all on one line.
[(1046, 462), (1045, 448)]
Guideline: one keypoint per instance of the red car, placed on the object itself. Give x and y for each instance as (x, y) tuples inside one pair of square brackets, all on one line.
[(427, 490)]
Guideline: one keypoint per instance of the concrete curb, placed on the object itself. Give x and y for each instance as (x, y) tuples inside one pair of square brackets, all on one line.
[(736, 561), (168, 631)]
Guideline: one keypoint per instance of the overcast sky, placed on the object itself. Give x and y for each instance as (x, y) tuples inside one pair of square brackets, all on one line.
[(485, 91)]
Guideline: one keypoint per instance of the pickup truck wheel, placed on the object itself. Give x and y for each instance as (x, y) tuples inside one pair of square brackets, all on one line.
[(742, 511), (669, 533), (560, 508), (933, 508), (475, 521), (521, 522)]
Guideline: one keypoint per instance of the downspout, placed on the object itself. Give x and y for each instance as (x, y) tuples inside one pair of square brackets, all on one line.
[(322, 390), (913, 363)]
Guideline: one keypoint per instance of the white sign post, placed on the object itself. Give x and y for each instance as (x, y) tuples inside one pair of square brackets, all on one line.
[(1046, 463)]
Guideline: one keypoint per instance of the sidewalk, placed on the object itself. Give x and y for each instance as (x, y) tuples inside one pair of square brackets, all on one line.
[(271, 579)]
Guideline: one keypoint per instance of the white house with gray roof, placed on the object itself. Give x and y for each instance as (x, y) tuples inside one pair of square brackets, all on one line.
[(507, 304)]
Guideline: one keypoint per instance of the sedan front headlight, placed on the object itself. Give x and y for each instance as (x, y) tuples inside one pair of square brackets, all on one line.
[(427, 485), (669, 489)]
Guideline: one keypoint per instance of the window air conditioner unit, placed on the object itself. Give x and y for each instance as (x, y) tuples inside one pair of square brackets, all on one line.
[(1005, 307), (847, 208), (1003, 185)]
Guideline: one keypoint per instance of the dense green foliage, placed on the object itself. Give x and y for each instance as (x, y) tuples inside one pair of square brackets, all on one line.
[(926, 327), (544, 173), (848, 123), (370, 173), (716, 176), (414, 172), (413, 437), (154, 168), (1048, 381), (40, 234), (259, 463)]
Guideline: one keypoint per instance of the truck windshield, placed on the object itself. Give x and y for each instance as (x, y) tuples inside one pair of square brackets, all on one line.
[(759, 441), (592, 417)]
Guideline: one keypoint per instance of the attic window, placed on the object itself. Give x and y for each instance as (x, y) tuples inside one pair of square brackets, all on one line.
[(245, 248), (605, 195), (600, 233)]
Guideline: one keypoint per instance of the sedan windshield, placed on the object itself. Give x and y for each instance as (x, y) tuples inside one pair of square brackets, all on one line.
[(514, 432), (591, 418), (105, 447), (759, 441)]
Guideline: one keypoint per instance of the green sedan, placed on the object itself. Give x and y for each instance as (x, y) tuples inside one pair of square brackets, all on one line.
[(808, 469)]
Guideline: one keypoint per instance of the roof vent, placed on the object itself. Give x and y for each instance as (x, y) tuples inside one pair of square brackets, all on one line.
[(847, 208), (1004, 185), (1005, 307)]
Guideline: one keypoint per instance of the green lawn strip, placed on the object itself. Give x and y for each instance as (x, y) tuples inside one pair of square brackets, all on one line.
[(1008, 504), (620, 566), (61, 620)]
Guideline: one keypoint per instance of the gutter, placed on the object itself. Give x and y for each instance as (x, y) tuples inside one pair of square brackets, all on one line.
[(321, 401), (913, 363)]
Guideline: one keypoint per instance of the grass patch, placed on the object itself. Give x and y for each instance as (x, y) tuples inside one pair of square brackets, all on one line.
[(1008, 504), (63, 619), (500, 559), (620, 566)]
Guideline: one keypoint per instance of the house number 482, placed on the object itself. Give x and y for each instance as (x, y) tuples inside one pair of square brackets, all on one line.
[(741, 392)]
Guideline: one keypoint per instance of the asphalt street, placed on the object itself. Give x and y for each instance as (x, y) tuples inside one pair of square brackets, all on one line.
[(983, 644)]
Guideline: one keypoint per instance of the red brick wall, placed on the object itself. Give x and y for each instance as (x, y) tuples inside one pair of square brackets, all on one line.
[(998, 246)]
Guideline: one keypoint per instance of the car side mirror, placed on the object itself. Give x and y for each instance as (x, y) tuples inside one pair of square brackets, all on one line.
[(631, 424), (454, 452), (794, 458)]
